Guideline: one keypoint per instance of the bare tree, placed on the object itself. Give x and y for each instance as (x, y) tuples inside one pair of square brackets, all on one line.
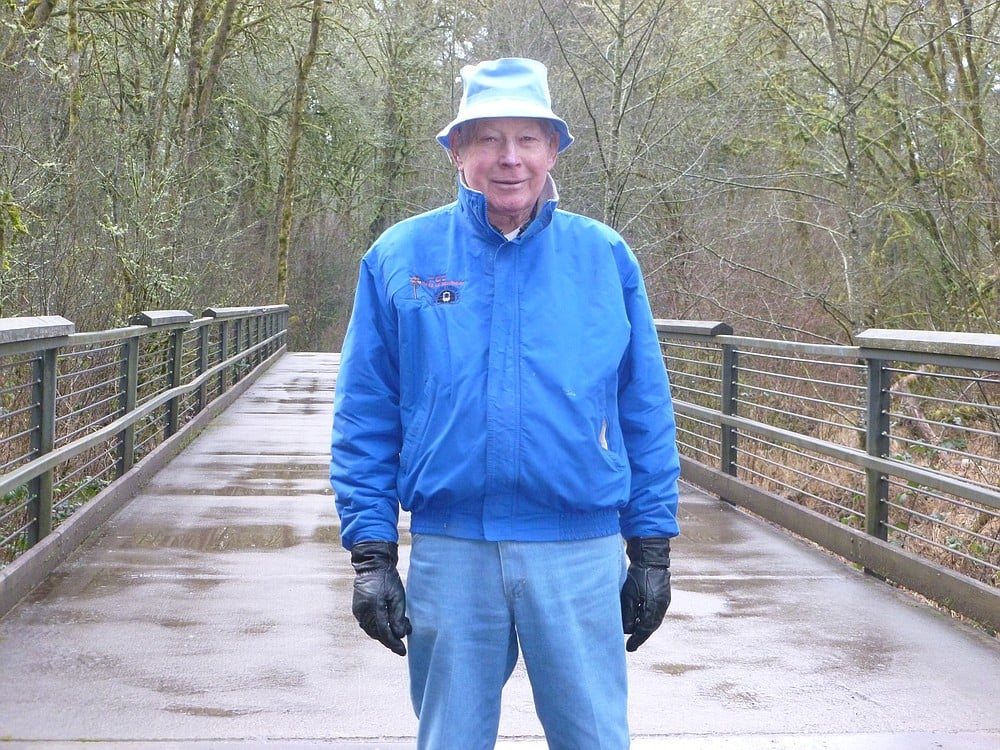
[(286, 181)]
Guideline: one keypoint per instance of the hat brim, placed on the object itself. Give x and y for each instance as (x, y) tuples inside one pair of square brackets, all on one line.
[(507, 108)]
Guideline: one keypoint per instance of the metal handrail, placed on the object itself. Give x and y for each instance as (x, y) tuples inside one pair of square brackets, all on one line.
[(761, 435), (97, 408), (38, 466), (859, 458), (742, 419)]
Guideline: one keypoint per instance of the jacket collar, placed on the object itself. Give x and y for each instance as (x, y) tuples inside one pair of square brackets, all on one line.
[(472, 203)]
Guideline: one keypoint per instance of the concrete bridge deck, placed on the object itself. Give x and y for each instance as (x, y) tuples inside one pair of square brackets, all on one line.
[(214, 612)]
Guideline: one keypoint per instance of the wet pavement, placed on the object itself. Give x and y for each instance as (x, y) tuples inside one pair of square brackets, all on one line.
[(213, 611)]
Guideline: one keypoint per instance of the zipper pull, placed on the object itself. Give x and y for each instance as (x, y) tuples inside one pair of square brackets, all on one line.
[(415, 282)]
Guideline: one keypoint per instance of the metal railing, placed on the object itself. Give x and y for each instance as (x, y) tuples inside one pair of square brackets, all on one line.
[(79, 410), (886, 453)]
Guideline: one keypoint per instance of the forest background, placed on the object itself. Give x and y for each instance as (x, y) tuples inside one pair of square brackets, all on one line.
[(801, 169)]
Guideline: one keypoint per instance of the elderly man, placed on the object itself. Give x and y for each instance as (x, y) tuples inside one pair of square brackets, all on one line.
[(501, 381)]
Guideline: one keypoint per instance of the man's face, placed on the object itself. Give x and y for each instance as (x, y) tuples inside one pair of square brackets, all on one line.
[(506, 159)]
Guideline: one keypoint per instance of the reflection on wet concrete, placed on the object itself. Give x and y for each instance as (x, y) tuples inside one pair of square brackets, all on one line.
[(733, 696), (221, 539), (239, 475), (327, 535), (677, 669), (219, 713), (689, 604), (176, 623), (258, 628)]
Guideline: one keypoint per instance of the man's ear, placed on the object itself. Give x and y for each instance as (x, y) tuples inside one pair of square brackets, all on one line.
[(453, 148)]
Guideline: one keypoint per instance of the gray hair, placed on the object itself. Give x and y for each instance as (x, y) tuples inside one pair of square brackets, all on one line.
[(463, 132)]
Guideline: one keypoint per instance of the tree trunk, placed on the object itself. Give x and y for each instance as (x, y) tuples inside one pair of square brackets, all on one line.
[(219, 45), (189, 100), (286, 183)]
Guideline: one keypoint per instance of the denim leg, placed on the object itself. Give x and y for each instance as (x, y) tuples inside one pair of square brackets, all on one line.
[(567, 614), (462, 649)]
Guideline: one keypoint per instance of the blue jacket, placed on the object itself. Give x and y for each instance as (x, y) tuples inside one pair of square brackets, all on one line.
[(502, 390)]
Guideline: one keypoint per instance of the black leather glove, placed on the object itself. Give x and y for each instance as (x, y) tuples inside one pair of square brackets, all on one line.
[(379, 598), (646, 593)]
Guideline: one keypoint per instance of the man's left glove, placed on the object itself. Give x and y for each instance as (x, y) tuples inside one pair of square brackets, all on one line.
[(379, 598), (646, 593)]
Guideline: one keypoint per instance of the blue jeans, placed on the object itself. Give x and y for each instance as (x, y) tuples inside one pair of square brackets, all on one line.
[(474, 604)]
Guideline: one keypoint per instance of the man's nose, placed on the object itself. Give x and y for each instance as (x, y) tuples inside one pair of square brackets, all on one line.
[(509, 153)]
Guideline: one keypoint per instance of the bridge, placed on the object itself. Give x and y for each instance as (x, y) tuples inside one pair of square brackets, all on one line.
[(201, 599)]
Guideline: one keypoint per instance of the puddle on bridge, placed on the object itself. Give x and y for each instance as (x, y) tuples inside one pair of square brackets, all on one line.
[(221, 538), (105, 580), (264, 479), (678, 669), (212, 712), (271, 489), (234, 537), (701, 534), (688, 604), (327, 535), (868, 649), (177, 623), (277, 467), (303, 406), (701, 597), (736, 696)]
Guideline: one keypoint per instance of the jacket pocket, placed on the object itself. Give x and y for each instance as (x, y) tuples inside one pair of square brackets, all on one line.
[(416, 430), (608, 442)]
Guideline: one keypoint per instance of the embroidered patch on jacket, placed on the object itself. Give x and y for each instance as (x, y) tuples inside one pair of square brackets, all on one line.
[(440, 289)]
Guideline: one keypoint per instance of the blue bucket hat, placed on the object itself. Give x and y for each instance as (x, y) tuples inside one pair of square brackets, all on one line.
[(509, 87)]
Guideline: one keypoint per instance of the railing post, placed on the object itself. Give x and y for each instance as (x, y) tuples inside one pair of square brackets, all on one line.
[(729, 400), (224, 336), (253, 338), (236, 330), (129, 389), (175, 374), (877, 444), (202, 365), (263, 325), (175, 323), (239, 326), (42, 442)]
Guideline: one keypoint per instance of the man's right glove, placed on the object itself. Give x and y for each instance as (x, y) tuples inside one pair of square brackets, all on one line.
[(379, 598), (646, 593)]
